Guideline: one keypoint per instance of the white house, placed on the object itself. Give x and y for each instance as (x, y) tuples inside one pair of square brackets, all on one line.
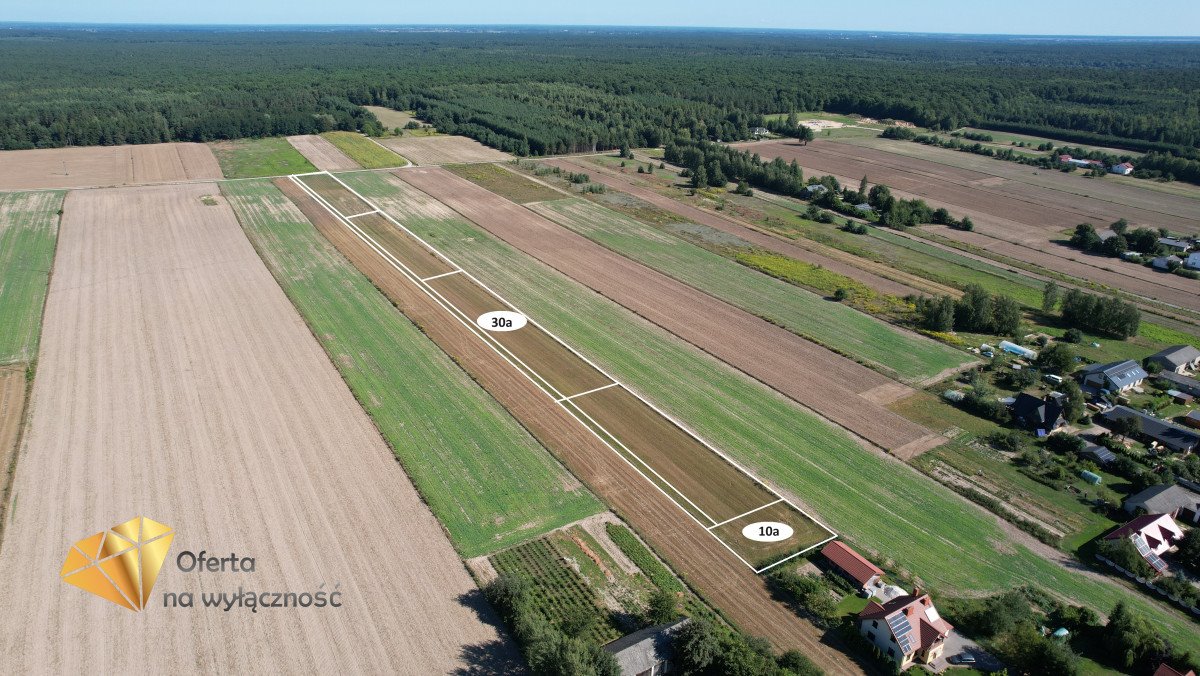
[(1124, 169), (908, 629)]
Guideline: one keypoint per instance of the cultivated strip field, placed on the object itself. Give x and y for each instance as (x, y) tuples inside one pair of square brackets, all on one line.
[(1011, 225), (939, 536), (28, 230), (252, 157), (323, 154), (702, 481), (444, 150), (770, 243), (364, 151), (106, 166), (12, 410), (724, 580), (490, 484), (898, 353), (175, 379), (839, 389)]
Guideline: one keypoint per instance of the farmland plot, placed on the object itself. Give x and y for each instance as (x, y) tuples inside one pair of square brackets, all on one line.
[(106, 166), (28, 231), (484, 477), (890, 350), (704, 484), (177, 381), (443, 150), (323, 154), (723, 579), (363, 150), (908, 517), (252, 157)]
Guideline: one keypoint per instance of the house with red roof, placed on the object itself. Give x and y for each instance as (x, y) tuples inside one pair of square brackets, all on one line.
[(1165, 669), (852, 565), (1153, 535), (908, 629)]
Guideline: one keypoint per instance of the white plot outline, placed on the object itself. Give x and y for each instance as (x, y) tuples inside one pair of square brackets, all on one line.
[(530, 373)]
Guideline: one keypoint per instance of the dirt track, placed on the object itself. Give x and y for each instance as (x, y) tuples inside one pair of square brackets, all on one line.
[(323, 154), (833, 386), (443, 150), (103, 166), (176, 381), (722, 579), (755, 237), (1005, 224)]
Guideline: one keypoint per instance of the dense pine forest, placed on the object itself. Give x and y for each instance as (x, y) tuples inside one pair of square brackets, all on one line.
[(538, 91)]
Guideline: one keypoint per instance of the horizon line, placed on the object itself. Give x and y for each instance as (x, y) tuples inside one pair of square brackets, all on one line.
[(759, 29)]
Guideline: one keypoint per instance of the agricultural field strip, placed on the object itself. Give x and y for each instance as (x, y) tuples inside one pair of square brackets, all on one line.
[(553, 392)]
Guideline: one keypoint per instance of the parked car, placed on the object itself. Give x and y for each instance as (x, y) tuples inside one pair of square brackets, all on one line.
[(962, 658), (1053, 379)]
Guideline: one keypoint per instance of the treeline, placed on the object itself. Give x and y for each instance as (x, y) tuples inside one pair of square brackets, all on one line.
[(535, 91), (977, 311), (1100, 314)]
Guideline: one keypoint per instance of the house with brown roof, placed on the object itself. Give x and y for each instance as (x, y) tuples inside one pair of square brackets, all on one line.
[(852, 565), (1165, 669), (1153, 535), (908, 629)]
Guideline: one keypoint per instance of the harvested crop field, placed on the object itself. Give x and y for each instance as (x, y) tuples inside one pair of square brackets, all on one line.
[(1010, 221), (832, 385), (751, 235), (323, 154), (890, 350), (104, 166), (176, 381), (28, 231), (925, 525), (12, 410), (703, 483), (722, 579), (364, 151), (490, 484), (444, 150)]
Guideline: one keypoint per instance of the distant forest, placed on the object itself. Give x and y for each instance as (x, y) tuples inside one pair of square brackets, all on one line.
[(540, 91)]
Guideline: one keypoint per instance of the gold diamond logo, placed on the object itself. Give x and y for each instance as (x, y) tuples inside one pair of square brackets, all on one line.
[(120, 564)]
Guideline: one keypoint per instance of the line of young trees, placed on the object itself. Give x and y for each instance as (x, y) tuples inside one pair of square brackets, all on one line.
[(1100, 314), (977, 311)]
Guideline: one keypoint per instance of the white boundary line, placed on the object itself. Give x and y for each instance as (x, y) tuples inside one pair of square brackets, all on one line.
[(444, 274), (365, 213), (769, 504), (602, 387), (549, 389)]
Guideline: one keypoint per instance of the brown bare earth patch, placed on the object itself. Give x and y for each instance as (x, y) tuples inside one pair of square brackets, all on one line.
[(808, 373), (323, 154), (708, 567), (177, 382), (104, 166), (1015, 219), (744, 231), (443, 150), (12, 410)]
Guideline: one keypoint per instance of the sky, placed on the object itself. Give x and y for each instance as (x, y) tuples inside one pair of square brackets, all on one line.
[(1026, 17)]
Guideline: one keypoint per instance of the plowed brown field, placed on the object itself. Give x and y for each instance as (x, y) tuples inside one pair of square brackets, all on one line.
[(177, 382), (443, 150), (723, 580), (103, 166), (1012, 219), (756, 237), (820, 379), (12, 409), (323, 154)]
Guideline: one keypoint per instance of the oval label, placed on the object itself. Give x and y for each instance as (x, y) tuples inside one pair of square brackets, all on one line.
[(501, 320), (767, 531)]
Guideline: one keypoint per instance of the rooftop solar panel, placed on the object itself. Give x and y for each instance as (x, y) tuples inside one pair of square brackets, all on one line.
[(902, 630)]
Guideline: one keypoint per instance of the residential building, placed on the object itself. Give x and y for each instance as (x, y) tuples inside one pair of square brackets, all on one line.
[(865, 207), (1165, 669), (1063, 159), (1042, 415), (1192, 262), (1153, 535), (1175, 500), (1174, 245), (1166, 262), (1124, 169), (814, 190), (1151, 429), (1177, 358), (908, 629), (1192, 419), (647, 652), (852, 565), (1182, 383), (760, 132), (1117, 376)]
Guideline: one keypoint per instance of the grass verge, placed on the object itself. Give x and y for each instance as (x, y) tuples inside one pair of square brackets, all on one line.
[(28, 233)]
